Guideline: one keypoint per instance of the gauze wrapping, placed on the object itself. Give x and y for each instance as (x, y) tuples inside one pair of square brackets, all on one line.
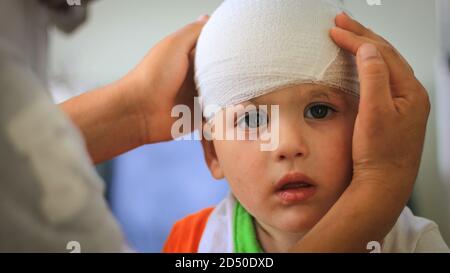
[(249, 48)]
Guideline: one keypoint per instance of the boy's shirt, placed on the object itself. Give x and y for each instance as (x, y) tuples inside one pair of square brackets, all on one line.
[(229, 228)]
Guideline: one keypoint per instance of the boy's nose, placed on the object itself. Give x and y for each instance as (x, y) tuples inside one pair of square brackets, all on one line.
[(291, 141)]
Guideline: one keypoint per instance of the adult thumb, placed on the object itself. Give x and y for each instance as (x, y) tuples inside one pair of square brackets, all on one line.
[(374, 77)]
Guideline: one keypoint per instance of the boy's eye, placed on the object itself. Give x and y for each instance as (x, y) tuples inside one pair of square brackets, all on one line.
[(253, 119), (318, 111)]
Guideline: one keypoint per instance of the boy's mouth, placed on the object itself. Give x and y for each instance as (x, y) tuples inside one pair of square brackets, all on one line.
[(295, 187)]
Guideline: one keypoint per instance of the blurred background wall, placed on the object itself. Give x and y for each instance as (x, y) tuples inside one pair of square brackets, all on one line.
[(153, 186)]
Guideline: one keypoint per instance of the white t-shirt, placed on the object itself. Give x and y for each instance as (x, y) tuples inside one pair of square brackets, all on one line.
[(412, 234)]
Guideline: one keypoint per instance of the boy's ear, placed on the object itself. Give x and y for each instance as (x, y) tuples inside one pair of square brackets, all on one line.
[(211, 159)]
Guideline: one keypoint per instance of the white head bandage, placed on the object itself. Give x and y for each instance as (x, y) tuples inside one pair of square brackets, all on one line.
[(249, 48)]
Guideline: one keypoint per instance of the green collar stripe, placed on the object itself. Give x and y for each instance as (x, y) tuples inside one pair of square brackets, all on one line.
[(244, 235)]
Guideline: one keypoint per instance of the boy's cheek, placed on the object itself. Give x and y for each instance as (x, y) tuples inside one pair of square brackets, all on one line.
[(233, 159), (334, 164), (238, 150)]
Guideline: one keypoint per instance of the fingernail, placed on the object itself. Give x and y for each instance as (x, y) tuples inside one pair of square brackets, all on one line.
[(203, 18), (368, 51)]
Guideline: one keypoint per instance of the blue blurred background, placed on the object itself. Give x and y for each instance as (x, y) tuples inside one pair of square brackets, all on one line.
[(153, 186)]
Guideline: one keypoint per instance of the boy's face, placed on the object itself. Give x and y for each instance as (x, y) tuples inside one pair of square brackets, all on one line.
[(315, 139)]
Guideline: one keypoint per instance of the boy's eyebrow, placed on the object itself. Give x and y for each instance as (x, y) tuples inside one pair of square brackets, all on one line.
[(324, 93), (318, 94), (313, 93)]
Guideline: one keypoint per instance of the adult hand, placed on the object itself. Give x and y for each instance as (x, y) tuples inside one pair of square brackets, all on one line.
[(393, 111), (136, 110), (165, 78), (387, 145)]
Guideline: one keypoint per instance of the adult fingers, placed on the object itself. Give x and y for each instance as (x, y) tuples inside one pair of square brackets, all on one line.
[(344, 21), (399, 70), (186, 38), (375, 91)]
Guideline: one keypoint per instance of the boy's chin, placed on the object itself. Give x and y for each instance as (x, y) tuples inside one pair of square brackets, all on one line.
[(298, 223)]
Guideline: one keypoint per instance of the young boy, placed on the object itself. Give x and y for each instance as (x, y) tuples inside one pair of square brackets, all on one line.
[(278, 54)]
